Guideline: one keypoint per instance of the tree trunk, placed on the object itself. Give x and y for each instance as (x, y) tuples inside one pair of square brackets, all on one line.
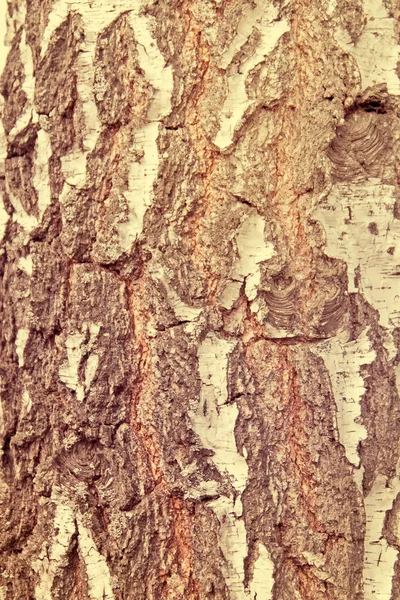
[(200, 262)]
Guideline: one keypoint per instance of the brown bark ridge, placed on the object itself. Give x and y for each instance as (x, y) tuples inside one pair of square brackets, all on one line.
[(200, 263)]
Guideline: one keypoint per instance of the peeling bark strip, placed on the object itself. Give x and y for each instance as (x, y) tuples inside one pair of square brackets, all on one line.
[(200, 296)]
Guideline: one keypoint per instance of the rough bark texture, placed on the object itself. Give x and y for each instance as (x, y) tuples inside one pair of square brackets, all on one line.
[(200, 294)]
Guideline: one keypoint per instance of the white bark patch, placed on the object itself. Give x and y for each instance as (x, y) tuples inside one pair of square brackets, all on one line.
[(28, 86), (41, 179), (94, 329), (252, 250), (263, 576), (26, 404), (76, 349), (20, 343), (3, 142), (262, 18), (84, 85), (153, 64), (17, 20), (20, 216), (230, 293), (214, 422), (215, 427), (233, 544), (361, 229), (98, 573), (143, 174), (25, 264), (56, 17), (343, 360), (96, 16), (331, 7), (3, 30), (377, 254), (53, 555), (213, 363), (69, 370), (379, 557), (376, 52)]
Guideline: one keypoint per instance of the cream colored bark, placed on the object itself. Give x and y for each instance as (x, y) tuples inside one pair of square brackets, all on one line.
[(200, 296)]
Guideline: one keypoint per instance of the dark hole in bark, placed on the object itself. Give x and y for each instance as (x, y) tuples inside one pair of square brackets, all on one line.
[(373, 106), (373, 228)]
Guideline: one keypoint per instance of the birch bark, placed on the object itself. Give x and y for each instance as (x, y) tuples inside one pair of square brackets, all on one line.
[(200, 300)]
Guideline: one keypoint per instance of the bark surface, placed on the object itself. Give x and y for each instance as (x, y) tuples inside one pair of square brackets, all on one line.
[(200, 262)]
